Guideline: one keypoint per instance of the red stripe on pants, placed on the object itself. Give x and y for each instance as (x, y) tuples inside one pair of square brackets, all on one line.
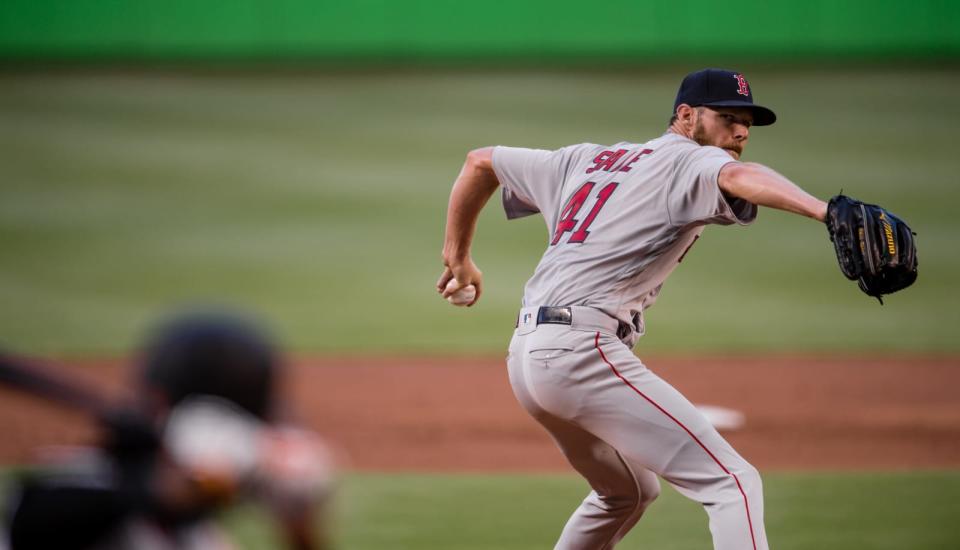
[(695, 438)]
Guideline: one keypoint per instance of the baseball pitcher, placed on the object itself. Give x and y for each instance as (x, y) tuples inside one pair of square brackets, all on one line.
[(620, 219)]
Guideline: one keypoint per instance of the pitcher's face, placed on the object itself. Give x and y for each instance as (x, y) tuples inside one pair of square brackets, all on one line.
[(725, 127)]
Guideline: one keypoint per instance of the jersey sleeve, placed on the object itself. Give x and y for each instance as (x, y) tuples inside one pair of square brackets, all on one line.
[(532, 179), (695, 197)]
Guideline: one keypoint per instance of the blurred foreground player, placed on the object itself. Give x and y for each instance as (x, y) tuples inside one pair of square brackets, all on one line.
[(203, 435)]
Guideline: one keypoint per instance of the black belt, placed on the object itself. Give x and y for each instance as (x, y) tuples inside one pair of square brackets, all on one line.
[(552, 315), (555, 315)]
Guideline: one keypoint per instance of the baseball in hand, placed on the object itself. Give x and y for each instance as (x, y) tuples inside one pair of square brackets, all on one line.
[(463, 296)]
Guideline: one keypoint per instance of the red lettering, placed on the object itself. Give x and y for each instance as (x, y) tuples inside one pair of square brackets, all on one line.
[(581, 234), (567, 221), (606, 160), (625, 167), (742, 87)]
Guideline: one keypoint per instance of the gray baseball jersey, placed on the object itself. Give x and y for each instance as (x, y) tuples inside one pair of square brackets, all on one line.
[(621, 217), (620, 220)]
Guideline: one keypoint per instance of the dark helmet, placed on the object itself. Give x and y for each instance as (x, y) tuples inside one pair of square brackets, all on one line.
[(214, 354)]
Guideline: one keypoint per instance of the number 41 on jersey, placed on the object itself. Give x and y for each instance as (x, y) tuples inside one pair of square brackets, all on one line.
[(568, 220)]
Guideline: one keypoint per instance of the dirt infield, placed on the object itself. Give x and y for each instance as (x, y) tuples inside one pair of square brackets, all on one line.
[(458, 414)]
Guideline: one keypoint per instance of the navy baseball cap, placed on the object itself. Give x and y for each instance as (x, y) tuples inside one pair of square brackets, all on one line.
[(721, 88)]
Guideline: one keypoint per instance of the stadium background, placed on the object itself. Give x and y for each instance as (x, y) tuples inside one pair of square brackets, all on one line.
[(294, 158)]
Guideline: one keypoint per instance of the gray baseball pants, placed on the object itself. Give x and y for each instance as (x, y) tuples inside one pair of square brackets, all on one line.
[(620, 426)]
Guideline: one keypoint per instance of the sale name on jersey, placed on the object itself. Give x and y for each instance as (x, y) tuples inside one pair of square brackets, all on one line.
[(616, 161)]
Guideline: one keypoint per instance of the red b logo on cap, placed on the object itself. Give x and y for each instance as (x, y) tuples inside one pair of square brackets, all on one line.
[(744, 88)]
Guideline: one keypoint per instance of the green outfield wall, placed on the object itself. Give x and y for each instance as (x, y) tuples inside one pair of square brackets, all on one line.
[(632, 30)]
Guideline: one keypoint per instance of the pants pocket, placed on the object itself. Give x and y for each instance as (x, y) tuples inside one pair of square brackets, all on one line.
[(548, 353)]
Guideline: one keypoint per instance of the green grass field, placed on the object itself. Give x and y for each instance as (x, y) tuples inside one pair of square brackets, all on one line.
[(317, 199), (522, 512)]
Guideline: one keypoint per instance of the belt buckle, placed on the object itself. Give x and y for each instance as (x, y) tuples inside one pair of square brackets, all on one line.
[(548, 315)]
